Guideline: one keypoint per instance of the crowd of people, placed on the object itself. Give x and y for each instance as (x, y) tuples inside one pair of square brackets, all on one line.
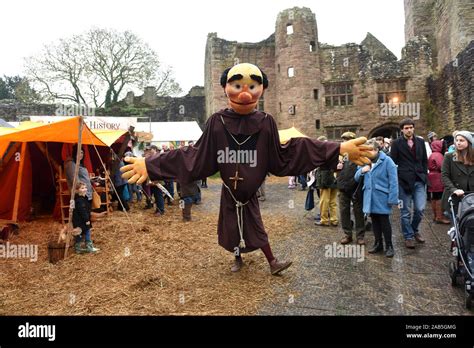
[(156, 193), (405, 172), (161, 192)]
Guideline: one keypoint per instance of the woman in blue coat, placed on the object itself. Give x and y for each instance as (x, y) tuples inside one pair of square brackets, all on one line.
[(380, 194)]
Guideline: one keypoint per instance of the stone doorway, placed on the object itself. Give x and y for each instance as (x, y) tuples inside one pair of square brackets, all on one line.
[(389, 130)]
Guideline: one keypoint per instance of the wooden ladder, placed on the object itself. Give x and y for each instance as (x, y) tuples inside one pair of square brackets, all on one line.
[(64, 196), (107, 189)]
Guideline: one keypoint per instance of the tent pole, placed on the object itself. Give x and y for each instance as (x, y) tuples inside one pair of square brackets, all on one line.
[(73, 189), (18, 182)]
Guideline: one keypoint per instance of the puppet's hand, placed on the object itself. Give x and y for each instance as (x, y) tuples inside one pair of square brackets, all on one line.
[(356, 151), (136, 171)]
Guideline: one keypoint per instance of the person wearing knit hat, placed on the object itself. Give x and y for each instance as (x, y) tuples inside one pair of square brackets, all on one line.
[(348, 136), (466, 135), (458, 169), (432, 136)]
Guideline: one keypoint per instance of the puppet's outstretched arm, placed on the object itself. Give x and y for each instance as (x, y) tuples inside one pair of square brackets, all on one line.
[(357, 152)]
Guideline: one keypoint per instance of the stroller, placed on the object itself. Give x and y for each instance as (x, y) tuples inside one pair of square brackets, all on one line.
[(461, 270)]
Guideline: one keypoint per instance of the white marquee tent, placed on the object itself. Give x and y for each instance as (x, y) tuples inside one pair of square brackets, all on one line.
[(175, 132)]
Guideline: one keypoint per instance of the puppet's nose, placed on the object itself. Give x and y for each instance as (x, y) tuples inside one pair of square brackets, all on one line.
[(245, 97)]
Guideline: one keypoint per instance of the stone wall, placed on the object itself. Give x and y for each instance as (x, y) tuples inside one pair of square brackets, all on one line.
[(452, 93), (447, 24), (221, 54), (454, 28), (12, 110), (299, 100), (161, 109), (170, 109)]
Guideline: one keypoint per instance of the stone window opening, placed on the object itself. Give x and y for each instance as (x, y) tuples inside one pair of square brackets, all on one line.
[(280, 106), (338, 94), (312, 46), (289, 29), (318, 124), (335, 132), (291, 71), (391, 91), (315, 94), (278, 67)]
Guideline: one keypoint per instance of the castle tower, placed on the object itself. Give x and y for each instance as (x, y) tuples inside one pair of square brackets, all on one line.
[(297, 71)]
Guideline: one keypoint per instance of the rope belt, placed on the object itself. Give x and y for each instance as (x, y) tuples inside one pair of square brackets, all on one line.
[(239, 209)]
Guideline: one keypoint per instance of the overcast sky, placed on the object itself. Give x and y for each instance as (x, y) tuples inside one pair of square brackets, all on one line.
[(177, 29)]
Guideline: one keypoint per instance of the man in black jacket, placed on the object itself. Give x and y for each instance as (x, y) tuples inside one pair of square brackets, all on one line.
[(409, 154), (347, 186)]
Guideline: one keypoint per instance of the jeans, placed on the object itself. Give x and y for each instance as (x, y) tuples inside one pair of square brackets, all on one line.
[(418, 199), (192, 199), (87, 235), (169, 185), (159, 201), (120, 192), (134, 188), (302, 180)]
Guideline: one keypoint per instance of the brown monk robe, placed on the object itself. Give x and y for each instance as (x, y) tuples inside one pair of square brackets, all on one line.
[(243, 144), (257, 134)]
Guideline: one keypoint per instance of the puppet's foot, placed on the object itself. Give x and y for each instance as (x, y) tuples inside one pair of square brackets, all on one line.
[(238, 263), (277, 266)]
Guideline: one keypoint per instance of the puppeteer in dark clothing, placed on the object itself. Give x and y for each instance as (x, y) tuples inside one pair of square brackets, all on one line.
[(230, 138)]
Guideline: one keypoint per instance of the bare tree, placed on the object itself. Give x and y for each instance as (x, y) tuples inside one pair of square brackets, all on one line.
[(59, 70), (165, 83), (96, 66)]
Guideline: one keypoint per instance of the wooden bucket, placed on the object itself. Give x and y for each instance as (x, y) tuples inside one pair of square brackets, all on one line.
[(56, 251)]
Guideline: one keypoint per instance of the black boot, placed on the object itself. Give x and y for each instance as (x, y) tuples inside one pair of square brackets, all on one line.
[(148, 204), (378, 246), (389, 252), (387, 234)]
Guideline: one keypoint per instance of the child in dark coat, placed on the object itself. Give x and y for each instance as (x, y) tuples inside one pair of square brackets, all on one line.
[(81, 218)]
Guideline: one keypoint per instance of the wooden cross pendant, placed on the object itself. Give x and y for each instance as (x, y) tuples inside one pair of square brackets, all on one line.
[(236, 179)]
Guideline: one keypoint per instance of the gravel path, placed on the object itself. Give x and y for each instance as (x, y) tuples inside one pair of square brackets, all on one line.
[(414, 282)]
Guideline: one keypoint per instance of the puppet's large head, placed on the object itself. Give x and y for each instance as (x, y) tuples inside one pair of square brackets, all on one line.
[(244, 85)]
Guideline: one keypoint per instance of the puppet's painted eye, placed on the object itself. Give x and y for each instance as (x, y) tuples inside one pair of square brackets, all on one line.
[(252, 86), (237, 86)]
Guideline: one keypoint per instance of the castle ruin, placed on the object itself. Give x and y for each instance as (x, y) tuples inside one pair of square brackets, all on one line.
[(326, 90)]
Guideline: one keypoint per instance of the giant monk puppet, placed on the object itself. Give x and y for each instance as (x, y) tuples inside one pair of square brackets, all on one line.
[(243, 145)]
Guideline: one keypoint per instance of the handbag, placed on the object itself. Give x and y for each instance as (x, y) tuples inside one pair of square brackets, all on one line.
[(309, 204), (96, 201)]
